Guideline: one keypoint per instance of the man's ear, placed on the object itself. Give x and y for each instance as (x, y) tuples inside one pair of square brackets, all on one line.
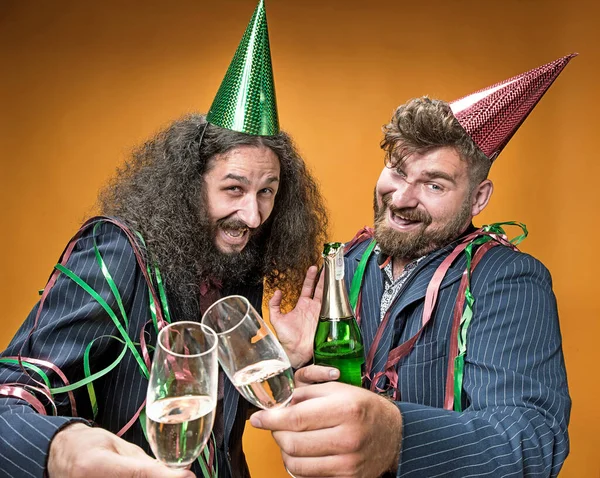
[(481, 196)]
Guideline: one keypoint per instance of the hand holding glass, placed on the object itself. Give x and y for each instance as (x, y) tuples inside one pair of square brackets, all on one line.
[(182, 393), (250, 354)]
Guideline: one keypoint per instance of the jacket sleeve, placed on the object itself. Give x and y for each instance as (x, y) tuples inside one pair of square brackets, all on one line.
[(515, 387), (69, 321)]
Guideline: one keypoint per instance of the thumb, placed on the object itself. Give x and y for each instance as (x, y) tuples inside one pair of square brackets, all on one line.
[(275, 305)]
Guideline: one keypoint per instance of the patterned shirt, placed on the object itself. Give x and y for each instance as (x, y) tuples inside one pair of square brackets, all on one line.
[(391, 286)]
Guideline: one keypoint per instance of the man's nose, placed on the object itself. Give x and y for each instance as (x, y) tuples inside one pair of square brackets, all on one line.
[(249, 212), (404, 196)]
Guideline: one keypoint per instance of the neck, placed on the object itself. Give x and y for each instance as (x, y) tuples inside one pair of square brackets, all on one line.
[(398, 266)]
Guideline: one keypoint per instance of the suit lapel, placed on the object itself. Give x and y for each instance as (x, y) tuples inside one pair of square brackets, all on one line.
[(371, 292), (414, 290), (416, 287)]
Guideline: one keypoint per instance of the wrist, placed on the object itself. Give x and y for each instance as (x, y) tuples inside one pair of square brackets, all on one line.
[(298, 358), (394, 419), (56, 446)]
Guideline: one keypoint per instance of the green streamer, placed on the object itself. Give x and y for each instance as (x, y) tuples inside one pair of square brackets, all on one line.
[(81, 283), (30, 366), (91, 377), (359, 275), (467, 315), (128, 344)]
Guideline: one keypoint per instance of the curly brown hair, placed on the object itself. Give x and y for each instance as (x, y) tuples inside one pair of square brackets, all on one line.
[(159, 192), (423, 124)]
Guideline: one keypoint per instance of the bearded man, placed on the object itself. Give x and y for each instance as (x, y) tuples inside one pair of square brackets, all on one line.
[(461, 329), (211, 206)]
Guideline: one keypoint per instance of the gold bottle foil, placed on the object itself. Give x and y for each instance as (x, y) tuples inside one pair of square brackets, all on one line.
[(335, 303)]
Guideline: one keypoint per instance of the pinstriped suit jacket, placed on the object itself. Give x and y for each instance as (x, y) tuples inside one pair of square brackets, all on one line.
[(516, 402), (69, 321)]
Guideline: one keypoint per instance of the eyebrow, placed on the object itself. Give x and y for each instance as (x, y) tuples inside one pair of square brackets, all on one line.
[(245, 180), (439, 175)]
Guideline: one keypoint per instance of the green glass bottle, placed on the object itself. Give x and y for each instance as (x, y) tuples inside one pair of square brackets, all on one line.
[(338, 341)]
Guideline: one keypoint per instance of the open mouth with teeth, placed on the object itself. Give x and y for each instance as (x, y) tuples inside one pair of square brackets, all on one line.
[(236, 233), (232, 238), (401, 221)]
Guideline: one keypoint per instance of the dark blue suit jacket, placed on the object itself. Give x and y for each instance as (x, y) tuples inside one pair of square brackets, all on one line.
[(69, 321), (516, 402)]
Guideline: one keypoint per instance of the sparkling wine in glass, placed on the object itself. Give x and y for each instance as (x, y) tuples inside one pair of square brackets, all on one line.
[(250, 354), (182, 393)]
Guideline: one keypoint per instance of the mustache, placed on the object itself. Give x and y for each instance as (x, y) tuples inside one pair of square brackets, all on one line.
[(231, 223), (408, 213)]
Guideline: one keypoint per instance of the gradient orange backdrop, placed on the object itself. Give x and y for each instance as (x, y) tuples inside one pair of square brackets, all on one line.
[(81, 82)]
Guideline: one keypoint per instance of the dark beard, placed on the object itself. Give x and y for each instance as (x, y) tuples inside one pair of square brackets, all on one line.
[(417, 243), (204, 262)]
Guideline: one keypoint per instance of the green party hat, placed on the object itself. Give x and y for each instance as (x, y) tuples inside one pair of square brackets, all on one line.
[(246, 100)]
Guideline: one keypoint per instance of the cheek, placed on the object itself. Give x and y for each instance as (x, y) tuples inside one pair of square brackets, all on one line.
[(378, 200), (266, 208), (385, 183), (441, 212), (218, 207), (384, 186)]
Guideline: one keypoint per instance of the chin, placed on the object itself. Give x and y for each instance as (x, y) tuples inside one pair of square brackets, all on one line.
[(230, 249)]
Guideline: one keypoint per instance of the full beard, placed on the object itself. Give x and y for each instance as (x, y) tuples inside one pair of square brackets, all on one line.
[(420, 241), (192, 258)]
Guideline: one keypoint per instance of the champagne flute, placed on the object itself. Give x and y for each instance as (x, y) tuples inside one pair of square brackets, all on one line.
[(182, 393), (250, 354)]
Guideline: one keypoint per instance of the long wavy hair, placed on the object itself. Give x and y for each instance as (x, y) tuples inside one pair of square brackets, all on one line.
[(159, 192)]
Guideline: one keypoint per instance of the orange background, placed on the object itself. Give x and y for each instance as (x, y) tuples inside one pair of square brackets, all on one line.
[(82, 82)]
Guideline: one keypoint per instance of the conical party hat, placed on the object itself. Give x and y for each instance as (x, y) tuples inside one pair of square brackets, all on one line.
[(491, 116), (246, 100)]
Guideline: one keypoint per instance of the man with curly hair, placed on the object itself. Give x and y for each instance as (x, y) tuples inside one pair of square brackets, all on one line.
[(208, 207), (464, 369)]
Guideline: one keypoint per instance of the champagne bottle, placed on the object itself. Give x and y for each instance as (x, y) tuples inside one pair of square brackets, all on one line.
[(338, 341)]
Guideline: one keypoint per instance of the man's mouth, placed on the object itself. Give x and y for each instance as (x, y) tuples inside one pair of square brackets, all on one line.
[(236, 233), (402, 220)]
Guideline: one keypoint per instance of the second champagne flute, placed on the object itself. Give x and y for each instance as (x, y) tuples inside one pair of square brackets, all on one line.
[(250, 354)]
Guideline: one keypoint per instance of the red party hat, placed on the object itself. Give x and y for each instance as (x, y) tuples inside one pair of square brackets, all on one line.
[(491, 116)]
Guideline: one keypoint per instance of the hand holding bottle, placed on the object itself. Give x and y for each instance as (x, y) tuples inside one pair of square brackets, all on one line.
[(334, 429), (312, 374)]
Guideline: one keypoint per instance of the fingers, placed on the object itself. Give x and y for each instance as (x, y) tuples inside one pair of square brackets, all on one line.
[(126, 449), (304, 467), (325, 442), (275, 305), (129, 467), (315, 374), (309, 282), (319, 289), (331, 391), (82, 451), (305, 414)]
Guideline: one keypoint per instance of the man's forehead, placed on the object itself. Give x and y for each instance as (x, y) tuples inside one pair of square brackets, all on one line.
[(244, 163), (444, 158)]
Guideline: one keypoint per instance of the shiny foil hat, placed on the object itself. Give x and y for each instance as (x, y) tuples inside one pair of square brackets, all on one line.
[(491, 116), (246, 101)]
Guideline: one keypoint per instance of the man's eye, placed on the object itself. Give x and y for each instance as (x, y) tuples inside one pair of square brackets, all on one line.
[(266, 191), (435, 187), (233, 188)]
